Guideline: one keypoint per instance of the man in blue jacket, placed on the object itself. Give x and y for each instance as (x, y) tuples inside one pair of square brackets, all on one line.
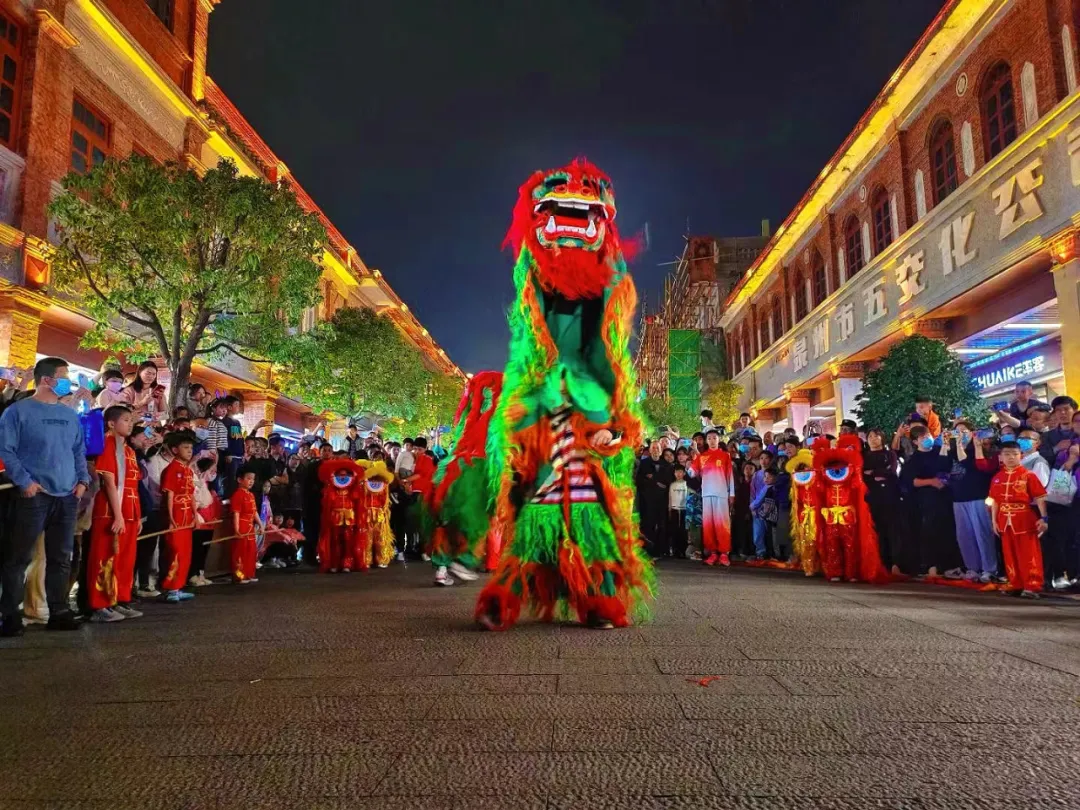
[(41, 445)]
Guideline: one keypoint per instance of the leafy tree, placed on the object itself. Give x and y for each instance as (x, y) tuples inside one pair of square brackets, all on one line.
[(171, 264), (659, 412), (355, 363), (435, 406), (722, 398), (918, 366)]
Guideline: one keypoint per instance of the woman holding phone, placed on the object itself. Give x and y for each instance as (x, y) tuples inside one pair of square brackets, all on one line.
[(143, 394)]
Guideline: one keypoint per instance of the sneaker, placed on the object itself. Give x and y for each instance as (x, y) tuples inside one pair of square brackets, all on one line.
[(127, 612), (442, 577), (148, 593), (258, 565), (400, 556), (712, 559), (106, 615), (425, 558), (244, 581), (834, 579), (594, 622), (173, 597), (193, 581), (724, 560), (185, 596), (985, 578), (63, 622), (1028, 595), (461, 572), (203, 581), (252, 579), (971, 576), (12, 626), (382, 565), (954, 573), (696, 556), (1061, 583)]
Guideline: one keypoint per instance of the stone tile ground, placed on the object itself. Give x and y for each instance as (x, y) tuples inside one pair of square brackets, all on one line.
[(751, 690)]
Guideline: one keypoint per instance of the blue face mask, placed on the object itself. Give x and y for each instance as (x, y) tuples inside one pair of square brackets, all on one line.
[(1026, 445), (781, 452), (62, 387), (744, 449), (202, 434), (926, 443)]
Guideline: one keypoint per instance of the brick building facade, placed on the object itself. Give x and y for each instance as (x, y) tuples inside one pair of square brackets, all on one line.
[(948, 210), (81, 80)]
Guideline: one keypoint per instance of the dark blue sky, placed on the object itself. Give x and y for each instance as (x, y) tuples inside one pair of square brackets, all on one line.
[(413, 122)]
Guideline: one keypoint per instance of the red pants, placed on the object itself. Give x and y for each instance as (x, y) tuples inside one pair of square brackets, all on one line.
[(839, 553), (716, 524), (176, 551), (243, 552), (109, 575), (1023, 556), (336, 552)]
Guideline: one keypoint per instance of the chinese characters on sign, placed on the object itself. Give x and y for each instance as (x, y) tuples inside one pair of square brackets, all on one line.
[(874, 299), (846, 321), (909, 276), (954, 242), (1009, 375), (799, 359), (821, 338), (1017, 204)]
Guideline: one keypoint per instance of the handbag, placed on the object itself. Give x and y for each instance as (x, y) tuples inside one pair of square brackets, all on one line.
[(1061, 488)]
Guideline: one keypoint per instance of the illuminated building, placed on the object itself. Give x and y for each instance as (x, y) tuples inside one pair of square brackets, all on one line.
[(81, 80), (951, 210)]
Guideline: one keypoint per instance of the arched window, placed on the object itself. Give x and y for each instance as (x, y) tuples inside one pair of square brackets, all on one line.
[(943, 160), (879, 207), (998, 109), (853, 252), (777, 316), (801, 307), (819, 284)]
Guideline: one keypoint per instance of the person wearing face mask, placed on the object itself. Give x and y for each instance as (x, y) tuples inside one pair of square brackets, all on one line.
[(883, 498), (1029, 442), (923, 479), (42, 448), (112, 383), (969, 480)]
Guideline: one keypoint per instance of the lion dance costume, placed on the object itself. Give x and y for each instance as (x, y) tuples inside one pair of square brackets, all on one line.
[(374, 539), (805, 514), (560, 452), (848, 545), (342, 480), (459, 501)]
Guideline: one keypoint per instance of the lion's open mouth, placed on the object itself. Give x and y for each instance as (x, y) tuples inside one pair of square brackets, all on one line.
[(570, 221)]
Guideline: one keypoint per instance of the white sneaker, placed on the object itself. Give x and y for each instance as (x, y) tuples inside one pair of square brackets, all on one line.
[(971, 576), (985, 578), (955, 573), (148, 593), (106, 616), (382, 565), (193, 581), (253, 579), (1061, 583), (203, 581), (461, 572), (127, 612), (400, 556), (442, 577), (258, 565), (425, 558)]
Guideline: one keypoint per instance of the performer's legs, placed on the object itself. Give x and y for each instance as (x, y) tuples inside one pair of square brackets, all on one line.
[(176, 556), (125, 561), (101, 566), (1029, 560), (850, 547), (1009, 552), (236, 558), (832, 558)]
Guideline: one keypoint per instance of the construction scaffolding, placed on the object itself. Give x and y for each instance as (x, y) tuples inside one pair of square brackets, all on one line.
[(694, 293)]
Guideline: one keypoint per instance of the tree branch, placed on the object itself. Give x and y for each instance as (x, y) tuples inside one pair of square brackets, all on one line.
[(226, 347)]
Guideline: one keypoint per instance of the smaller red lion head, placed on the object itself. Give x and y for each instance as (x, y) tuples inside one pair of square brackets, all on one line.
[(566, 218), (339, 472), (840, 464)]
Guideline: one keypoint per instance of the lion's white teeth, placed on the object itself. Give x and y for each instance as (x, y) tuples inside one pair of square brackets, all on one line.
[(550, 225), (591, 230)]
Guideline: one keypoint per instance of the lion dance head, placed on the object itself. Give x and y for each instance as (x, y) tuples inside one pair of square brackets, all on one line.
[(565, 218)]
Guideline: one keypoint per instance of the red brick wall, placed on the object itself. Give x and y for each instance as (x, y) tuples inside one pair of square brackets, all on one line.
[(170, 49)]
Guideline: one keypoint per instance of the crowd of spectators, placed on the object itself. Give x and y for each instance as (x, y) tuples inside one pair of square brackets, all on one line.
[(928, 488), (63, 445)]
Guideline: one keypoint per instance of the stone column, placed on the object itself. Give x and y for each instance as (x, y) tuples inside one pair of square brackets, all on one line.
[(798, 408), (20, 318), (257, 406), (847, 384), (1067, 285)]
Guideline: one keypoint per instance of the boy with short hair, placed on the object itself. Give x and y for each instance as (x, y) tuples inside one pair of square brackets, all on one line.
[(243, 549), (178, 491), (717, 494), (115, 521), (1030, 443), (1013, 490), (924, 407)]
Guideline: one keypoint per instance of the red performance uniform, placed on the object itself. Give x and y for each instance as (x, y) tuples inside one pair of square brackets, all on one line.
[(110, 573), (1014, 491), (242, 550), (717, 488), (374, 540), (179, 479), (341, 478)]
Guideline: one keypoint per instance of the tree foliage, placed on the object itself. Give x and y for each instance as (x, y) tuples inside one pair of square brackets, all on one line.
[(722, 398), (171, 264), (659, 412), (435, 407), (918, 366)]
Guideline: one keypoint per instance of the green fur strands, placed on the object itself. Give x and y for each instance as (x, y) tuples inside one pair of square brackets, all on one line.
[(466, 504)]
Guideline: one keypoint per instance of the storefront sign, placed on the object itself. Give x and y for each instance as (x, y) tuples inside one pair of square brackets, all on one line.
[(1020, 370)]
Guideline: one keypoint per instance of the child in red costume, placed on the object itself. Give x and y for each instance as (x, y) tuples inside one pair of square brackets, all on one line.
[(243, 550), (110, 562), (1013, 491), (374, 540), (713, 467), (848, 545), (178, 489), (342, 479)]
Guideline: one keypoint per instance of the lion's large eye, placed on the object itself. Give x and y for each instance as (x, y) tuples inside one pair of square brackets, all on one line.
[(803, 477), (837, 473)]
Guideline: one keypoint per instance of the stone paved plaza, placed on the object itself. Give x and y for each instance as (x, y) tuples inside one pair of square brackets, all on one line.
[(751, 689)]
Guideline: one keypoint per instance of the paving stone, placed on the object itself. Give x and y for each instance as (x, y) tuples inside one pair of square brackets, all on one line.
[(641, 684), (557, 666)]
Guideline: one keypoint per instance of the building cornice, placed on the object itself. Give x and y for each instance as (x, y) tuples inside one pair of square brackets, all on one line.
[(55, 29)]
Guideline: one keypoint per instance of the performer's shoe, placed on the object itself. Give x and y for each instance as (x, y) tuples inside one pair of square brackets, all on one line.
[(106, 616), (595, 622), (725, 561), (1028, 595), (148, 593), (442, 577), (173, 597), (834, 579), (712, 559), (461, 572), (382, 565), (127, 612)]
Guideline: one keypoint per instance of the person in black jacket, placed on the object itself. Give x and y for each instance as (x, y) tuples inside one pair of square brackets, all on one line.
[(312, 489), (654, 476)]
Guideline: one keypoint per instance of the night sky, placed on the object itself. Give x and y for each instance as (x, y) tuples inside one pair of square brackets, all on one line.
[(413, 122)]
